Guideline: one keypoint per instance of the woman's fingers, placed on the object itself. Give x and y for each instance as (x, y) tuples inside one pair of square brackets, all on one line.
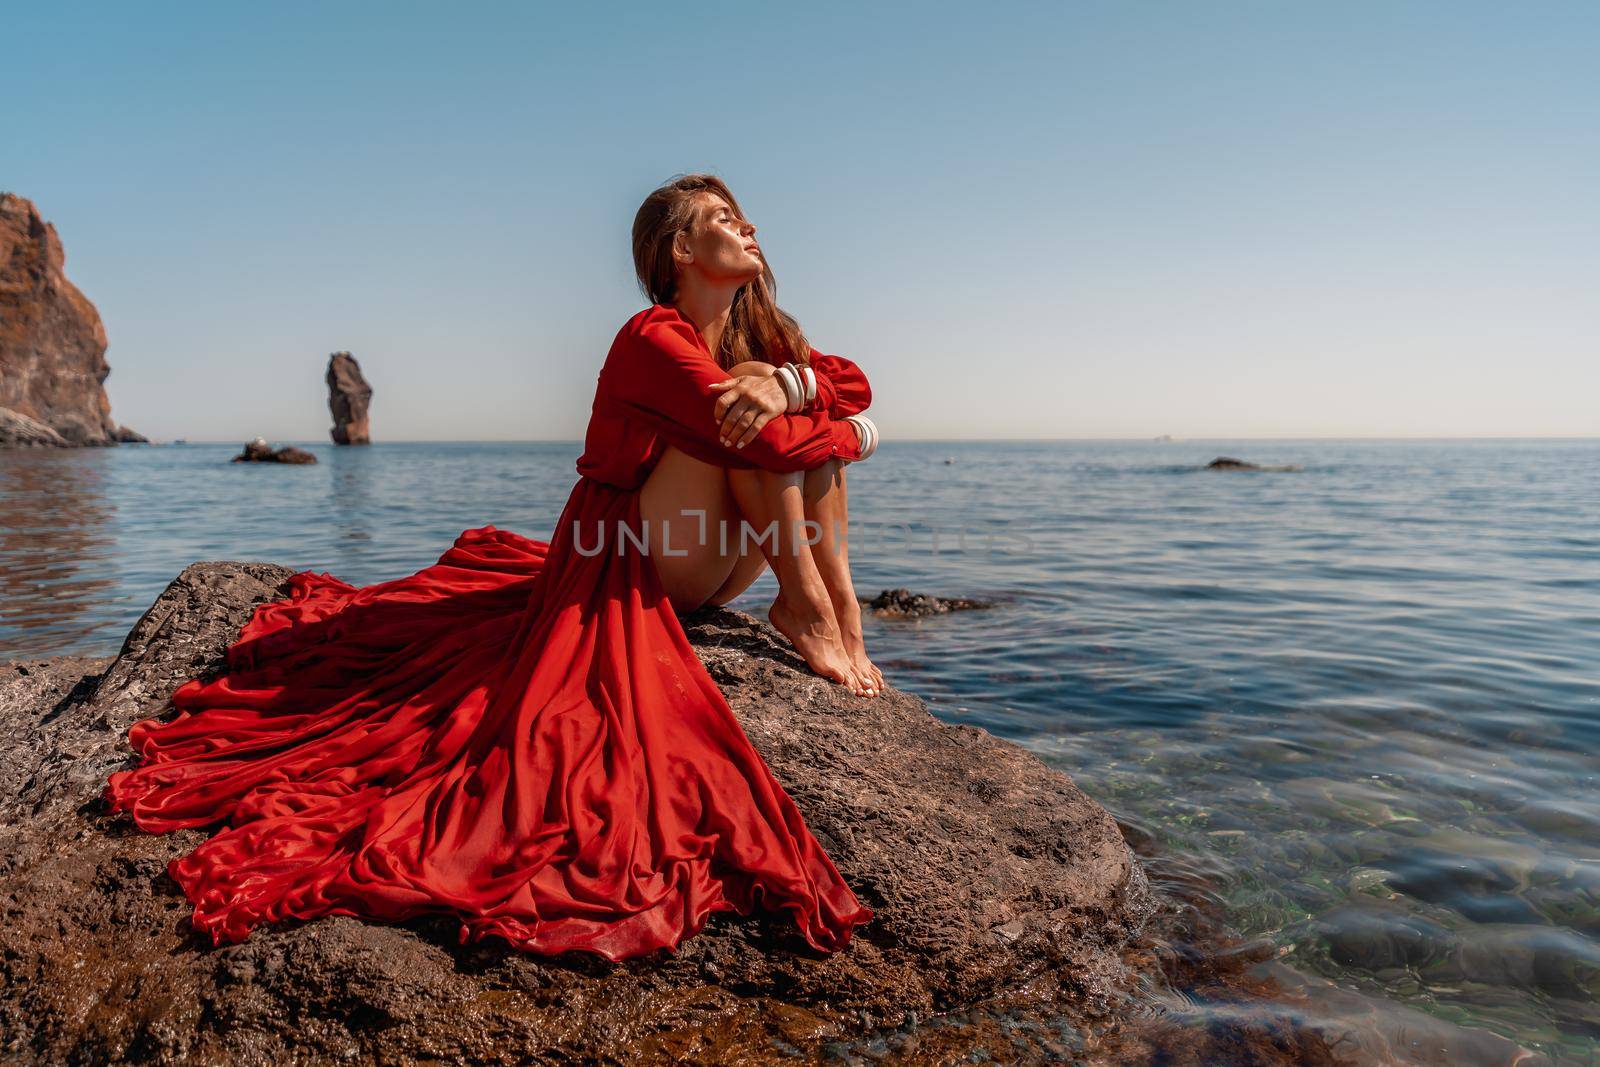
[(731, 428), (761, 419), (738, 421), (729, 419), (750, 424), (727, 399), (740, 413)]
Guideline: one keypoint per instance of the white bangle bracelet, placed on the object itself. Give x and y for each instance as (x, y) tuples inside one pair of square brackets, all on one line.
[(866, 433), (792, 391), (807, 392), (808, 382)]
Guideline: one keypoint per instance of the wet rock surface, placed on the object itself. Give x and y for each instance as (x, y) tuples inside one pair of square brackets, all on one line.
[(903, 602), (259, 451), (349, 395), (52, 342), (991, 876)]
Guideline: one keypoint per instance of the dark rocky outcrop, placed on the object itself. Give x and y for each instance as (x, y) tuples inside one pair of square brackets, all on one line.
[(1228, 463), (904, 602), (348, 397), (258, 451), (991, 875), (52, 342)]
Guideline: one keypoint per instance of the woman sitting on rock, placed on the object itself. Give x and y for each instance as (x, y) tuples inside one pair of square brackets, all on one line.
[(718, 477), (520, 735)]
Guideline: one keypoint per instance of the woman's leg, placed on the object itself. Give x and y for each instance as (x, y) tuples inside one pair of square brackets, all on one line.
[(681, 505), (773, 516), (747, 567), (828, 504), (695, 524)]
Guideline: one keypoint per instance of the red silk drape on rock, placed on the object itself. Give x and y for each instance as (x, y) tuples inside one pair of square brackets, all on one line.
[(519, 735)]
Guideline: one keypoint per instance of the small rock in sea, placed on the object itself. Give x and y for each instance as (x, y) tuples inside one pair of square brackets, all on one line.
[(348, 397), (258, 451), (905, 602), (1228, 463), (949, 461)]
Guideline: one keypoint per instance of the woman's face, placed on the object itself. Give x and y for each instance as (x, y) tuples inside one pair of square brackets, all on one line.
[(720, 245)]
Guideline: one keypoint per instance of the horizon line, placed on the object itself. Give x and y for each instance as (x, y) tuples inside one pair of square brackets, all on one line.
[(1163, 439)]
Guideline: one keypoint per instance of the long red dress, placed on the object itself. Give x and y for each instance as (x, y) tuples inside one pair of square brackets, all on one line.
[(519, 735)]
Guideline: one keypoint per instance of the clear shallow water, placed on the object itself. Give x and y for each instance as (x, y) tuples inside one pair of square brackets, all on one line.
[(1360, 701)]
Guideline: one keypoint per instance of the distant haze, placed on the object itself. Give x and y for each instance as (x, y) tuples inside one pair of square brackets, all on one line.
[(1104, 219)]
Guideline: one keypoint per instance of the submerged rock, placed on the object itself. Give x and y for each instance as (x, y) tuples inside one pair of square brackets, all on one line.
[(348, 397), (258, 451), (905, 602), (52, 342), (1228, 463), (990, 875)]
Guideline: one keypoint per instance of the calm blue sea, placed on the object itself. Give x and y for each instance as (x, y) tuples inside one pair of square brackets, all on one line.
[(1361, 700)]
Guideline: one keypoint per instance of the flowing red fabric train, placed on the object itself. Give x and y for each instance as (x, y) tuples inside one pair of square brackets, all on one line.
[(519, 734)]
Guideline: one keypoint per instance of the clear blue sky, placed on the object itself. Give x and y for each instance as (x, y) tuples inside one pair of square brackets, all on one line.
[(1046, 220)]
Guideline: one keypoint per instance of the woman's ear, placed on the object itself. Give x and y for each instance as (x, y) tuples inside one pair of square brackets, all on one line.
[(680, 249)]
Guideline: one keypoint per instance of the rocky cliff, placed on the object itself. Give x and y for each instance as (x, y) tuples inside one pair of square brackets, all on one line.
[(991, 876), (52, 343)]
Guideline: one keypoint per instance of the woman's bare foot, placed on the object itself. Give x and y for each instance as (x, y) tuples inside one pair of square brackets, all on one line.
[(815, 635), (848, 616)]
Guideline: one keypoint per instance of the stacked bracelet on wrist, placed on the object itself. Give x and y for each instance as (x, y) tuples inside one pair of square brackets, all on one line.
[(808, 378), (866, 433), (793, 392), (799, 385)]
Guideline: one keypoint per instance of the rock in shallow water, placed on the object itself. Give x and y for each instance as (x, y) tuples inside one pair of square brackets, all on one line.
[(258, 451), (905, 602), (989, 874)]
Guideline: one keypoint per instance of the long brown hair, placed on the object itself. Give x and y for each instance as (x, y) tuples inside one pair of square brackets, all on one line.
[(757, 327)]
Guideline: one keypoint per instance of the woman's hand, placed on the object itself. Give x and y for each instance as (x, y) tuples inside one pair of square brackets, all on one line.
[(748, 402)]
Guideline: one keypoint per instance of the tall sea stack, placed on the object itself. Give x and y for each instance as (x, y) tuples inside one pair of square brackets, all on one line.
[(52, 343), (348, 394)]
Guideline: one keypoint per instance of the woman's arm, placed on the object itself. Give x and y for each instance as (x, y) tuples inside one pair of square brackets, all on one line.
[(842, 389), (659, 373)]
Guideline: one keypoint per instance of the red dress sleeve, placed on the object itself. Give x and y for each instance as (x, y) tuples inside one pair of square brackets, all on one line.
[(841, 387), (659, 373)]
